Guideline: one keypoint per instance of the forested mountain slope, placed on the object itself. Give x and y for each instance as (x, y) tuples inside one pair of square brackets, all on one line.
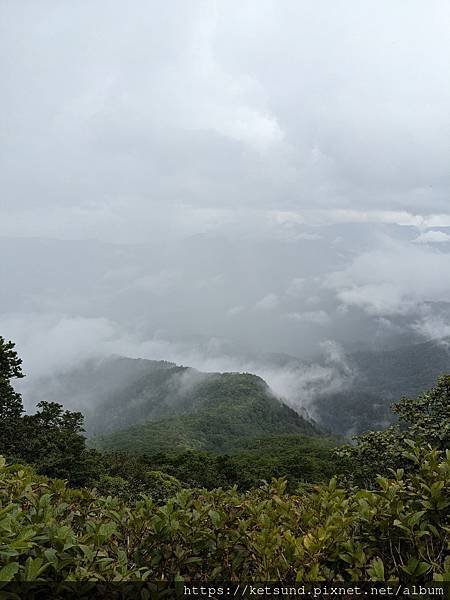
[(224, 409), (117, 392)]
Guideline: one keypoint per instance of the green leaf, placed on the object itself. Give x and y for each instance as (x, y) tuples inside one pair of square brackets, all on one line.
[(33, 568), (215, 517), (415, 567), (415, 518), (7, 573), (376, 570)]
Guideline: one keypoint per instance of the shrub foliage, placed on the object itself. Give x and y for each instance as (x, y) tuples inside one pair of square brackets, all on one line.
[(398, 531)]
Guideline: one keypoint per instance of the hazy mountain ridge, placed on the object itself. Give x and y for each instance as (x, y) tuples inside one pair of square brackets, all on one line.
[(117, 392), (228, 408), (381, 378)]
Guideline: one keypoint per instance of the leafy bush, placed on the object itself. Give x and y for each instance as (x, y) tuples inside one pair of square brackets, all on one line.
[(398, 531)]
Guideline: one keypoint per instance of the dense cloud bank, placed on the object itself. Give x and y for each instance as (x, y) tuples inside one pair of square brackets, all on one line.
[(120, 118), (203, 182)]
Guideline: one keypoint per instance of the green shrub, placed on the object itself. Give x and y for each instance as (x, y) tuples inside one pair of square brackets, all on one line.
[(398, 531), (160, 486)]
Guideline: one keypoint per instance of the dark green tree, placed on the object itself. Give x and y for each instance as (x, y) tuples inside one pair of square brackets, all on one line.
[(55, 444), (51, 439), (424, 420), (427, 417), (11, 407)]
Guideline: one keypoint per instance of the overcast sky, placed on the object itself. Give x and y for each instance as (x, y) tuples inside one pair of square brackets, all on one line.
[(278, 171)]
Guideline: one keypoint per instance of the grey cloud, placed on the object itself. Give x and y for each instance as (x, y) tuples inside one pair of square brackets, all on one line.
[(312, 316), (205, 169), (136, 112)]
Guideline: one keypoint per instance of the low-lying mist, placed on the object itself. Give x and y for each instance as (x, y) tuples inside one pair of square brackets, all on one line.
[(51, 350)]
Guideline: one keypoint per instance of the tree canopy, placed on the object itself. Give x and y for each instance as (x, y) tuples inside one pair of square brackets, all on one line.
[(51, 439), (11, 408)]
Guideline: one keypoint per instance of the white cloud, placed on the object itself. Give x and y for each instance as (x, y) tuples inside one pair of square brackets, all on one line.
[(312, 237), (297, 287), (318, 317), (434, 327), (269, 302), (235, 310), (432, 237), (50, 343), (378, 298), (317, 217), (312, 300), (397, 278)]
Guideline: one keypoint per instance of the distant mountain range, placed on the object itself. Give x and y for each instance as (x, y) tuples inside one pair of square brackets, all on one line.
[(379, 379)]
